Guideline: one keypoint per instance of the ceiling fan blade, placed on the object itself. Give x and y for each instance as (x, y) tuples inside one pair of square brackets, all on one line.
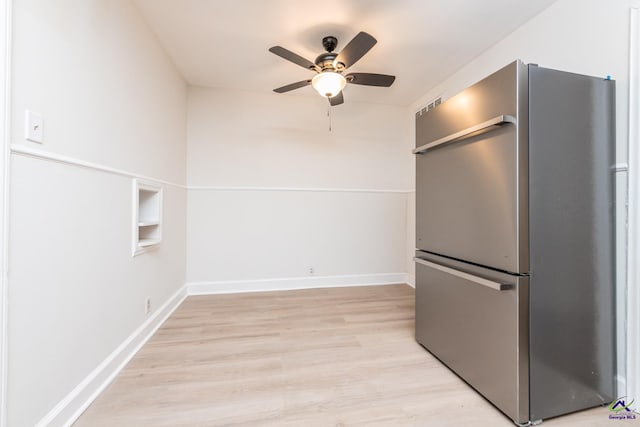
[(293, 57), (356, 49), (370, 79), (292, 86), (336, 100)]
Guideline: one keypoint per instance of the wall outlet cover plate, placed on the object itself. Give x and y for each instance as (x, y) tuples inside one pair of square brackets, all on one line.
[(33, 127)]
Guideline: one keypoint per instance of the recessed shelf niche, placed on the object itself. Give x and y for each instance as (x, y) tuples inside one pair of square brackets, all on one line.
[(147, 216)]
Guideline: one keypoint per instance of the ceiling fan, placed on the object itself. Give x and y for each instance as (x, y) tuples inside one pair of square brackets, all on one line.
[(329, 66)]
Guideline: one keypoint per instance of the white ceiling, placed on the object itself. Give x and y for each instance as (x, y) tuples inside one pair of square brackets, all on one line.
[(223, 43)]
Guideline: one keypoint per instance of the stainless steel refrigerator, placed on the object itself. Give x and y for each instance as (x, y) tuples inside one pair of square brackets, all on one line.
[(515, 239)]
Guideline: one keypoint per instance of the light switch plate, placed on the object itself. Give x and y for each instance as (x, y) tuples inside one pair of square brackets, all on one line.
[(34, 130)]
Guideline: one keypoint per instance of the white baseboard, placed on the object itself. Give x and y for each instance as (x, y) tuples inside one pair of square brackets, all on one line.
[(292, 283), (78, 400), (411, 280)]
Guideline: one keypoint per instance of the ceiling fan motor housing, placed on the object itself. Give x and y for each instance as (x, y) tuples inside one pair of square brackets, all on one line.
[(326, 62)]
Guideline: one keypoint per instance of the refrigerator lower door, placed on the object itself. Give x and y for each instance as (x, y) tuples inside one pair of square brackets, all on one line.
[(475, 321)]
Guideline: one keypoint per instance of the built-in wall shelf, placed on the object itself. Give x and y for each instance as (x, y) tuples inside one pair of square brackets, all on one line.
[(143, 243), (149, 223), (147, 216)]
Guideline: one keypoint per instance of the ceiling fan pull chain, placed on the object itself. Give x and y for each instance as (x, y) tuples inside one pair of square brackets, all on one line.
[(329, 114)]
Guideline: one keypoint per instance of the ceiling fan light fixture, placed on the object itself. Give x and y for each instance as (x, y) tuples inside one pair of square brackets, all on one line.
[(328, 83)]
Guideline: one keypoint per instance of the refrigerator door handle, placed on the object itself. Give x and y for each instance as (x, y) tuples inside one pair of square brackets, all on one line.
[(470, 277), (470, 131)]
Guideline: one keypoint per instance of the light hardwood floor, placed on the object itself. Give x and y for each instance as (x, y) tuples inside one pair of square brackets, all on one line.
[(321, 357)]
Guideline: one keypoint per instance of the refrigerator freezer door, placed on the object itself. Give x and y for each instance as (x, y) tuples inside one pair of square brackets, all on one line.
[(476, 328), (471, 184)]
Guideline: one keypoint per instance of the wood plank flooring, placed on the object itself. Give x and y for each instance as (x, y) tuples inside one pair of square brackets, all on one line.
[(320, 357)]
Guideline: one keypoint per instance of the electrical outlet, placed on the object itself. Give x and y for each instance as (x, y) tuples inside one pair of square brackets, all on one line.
[(147, 305), (311, 271)]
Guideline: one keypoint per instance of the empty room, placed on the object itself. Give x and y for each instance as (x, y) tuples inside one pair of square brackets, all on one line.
[(319, 213)]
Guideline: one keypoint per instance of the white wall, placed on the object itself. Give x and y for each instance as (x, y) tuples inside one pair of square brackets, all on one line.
[(582, 36), (5, 36), (277, 193), (107, 91), (633, 247), (108, 95)]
